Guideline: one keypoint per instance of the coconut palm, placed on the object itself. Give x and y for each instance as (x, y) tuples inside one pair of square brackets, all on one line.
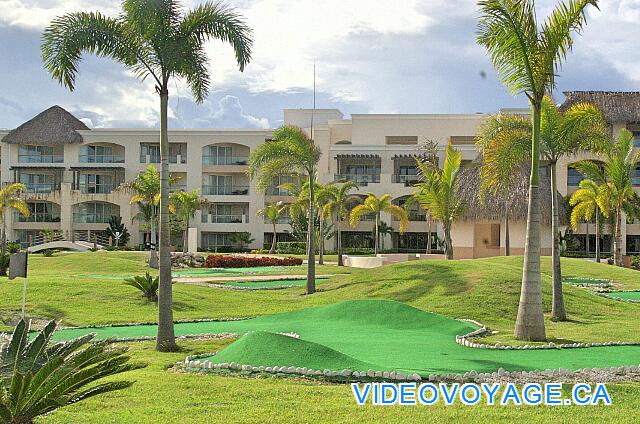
[(505, 143), (588, 202), (616, 193), (38, 376), (335, 205), (11, 198), (290, 152), (438, 193), (185, 204), (375, 206), (527, 57), (154, 40), (272, 213)]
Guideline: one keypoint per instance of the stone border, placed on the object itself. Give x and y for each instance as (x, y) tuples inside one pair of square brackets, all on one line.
[(605, 294), (601, 283)]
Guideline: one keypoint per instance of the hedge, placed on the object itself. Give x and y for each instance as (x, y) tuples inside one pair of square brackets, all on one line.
[(222, 261), (291, 247)]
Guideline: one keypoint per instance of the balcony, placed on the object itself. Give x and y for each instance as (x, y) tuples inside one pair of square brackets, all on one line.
[(282, 220), (101, 159), (91, 218), (275, 191), (224, 160), (96, 188), (407, 180), (41, 158), (360, 179), (41, 188), (415, 216), (227, 219), (209, 190), (38, 217)]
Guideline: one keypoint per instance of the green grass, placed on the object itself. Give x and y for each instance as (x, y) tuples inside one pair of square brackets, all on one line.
[(165, 396), (271, 283)]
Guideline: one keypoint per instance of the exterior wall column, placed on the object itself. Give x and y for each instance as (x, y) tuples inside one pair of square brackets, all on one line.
[(66, 210)]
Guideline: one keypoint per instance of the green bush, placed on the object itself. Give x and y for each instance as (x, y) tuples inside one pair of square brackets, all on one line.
[(259, 252), (358, 251), (635, 262), (13, 247), (47, 253), (4, 263), (291, 247), (147, 284)]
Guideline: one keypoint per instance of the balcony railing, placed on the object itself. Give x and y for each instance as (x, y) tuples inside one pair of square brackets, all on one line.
[(208, 190), (101, 159), (224, 160), (40, 158), (38, 217), (283, 220), (96, 188), (177, 187), (226, 219), (358, 178), (275, 191), (405, 179), (42, 187), (415, 217), (91, 218)]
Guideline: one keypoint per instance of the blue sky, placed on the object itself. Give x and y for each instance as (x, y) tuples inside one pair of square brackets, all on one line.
[(409, 56)]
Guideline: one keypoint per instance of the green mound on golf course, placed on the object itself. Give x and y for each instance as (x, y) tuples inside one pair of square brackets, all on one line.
[(384, 335), (629, 295), (269, 284), (585, 281)]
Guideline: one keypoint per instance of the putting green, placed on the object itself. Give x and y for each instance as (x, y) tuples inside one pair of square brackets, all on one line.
[(634, 295), (269, 284), (373, 334), (585, 281), (207, 272)]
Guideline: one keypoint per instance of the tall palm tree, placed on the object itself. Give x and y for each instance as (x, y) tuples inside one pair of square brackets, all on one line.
[(438, 193), (185, 204), (505, 143), (335, 205), (290, 152), (375, 206), (616, 192), (11, 198), (589, 201), (155, 40), (527, 58), (272, 213)]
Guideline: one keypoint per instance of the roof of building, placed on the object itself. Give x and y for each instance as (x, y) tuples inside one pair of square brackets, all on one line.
[(53, 126), (616, 106), (494, 207)]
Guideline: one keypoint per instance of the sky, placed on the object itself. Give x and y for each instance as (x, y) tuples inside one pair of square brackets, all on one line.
[(371, 56)]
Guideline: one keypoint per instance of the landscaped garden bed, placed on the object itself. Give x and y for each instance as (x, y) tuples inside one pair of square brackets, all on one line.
[(221, 261)]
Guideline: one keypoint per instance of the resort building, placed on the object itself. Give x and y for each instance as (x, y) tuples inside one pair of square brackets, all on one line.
[(72, 174)]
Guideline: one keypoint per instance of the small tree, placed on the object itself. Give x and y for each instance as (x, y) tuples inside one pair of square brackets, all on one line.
[(38, 376), (11, 198), (374, 205), (335, 205), (272, 213), (185, 205), (117, 231), (438, 193), (243, 239), (588, 201)]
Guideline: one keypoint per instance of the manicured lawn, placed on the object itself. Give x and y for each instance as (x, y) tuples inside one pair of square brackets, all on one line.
[(161, 396)]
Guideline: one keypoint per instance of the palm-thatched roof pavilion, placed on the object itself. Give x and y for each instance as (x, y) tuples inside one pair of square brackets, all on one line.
[(52, 127), (616, 106)]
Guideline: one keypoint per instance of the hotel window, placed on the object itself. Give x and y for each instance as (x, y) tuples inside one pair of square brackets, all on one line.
[(574, 177), (636, 178), (153, 151), (99, 154), (636, 138), (40, 154)]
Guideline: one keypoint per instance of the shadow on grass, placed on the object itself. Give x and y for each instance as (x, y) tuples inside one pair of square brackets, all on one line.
[(436, 277)]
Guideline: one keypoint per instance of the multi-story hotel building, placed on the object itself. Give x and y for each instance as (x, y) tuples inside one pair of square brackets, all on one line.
[(72, 172)]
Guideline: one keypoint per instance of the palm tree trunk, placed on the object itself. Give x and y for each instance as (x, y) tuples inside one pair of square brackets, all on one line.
[(339, 223), (597, 235), (320, 241), (448, 241), (587, 241), (311, 249), (376, 235), (530, 319), (165, 341), (558, 311), (273, 242), (617, 254), (185, 238), (429, 236), (153, 254), (507, 237)]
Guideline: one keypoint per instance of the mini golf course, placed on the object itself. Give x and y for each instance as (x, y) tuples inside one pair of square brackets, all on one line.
[(371, 334), (268, 284), (577, 281), (218, 272), (625, 295)]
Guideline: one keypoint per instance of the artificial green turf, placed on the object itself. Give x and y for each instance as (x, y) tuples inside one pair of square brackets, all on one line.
[(209, 272), (634, 295), (270, 283), (579, 281), (384, 335)]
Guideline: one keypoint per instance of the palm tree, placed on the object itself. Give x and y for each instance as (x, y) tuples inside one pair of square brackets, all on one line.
[(11, 198), (589, 201), (290, 152), (185, 204), (272, 213), (616, 193), (146, 215), (505, 143), (154, 40), (438, 193), (374, 205), (527, 58), (335, 204)]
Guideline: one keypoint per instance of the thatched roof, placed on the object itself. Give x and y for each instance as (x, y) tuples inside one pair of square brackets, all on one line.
[(493, 207), (616, 106), (54, 126)]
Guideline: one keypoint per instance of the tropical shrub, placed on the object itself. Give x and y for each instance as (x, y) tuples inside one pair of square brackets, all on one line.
[(291, 247), (4, 263), (13, 247), (38, 377), (222, 261), (117, 232), (147, 284), (47, 253), (635, 262)]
